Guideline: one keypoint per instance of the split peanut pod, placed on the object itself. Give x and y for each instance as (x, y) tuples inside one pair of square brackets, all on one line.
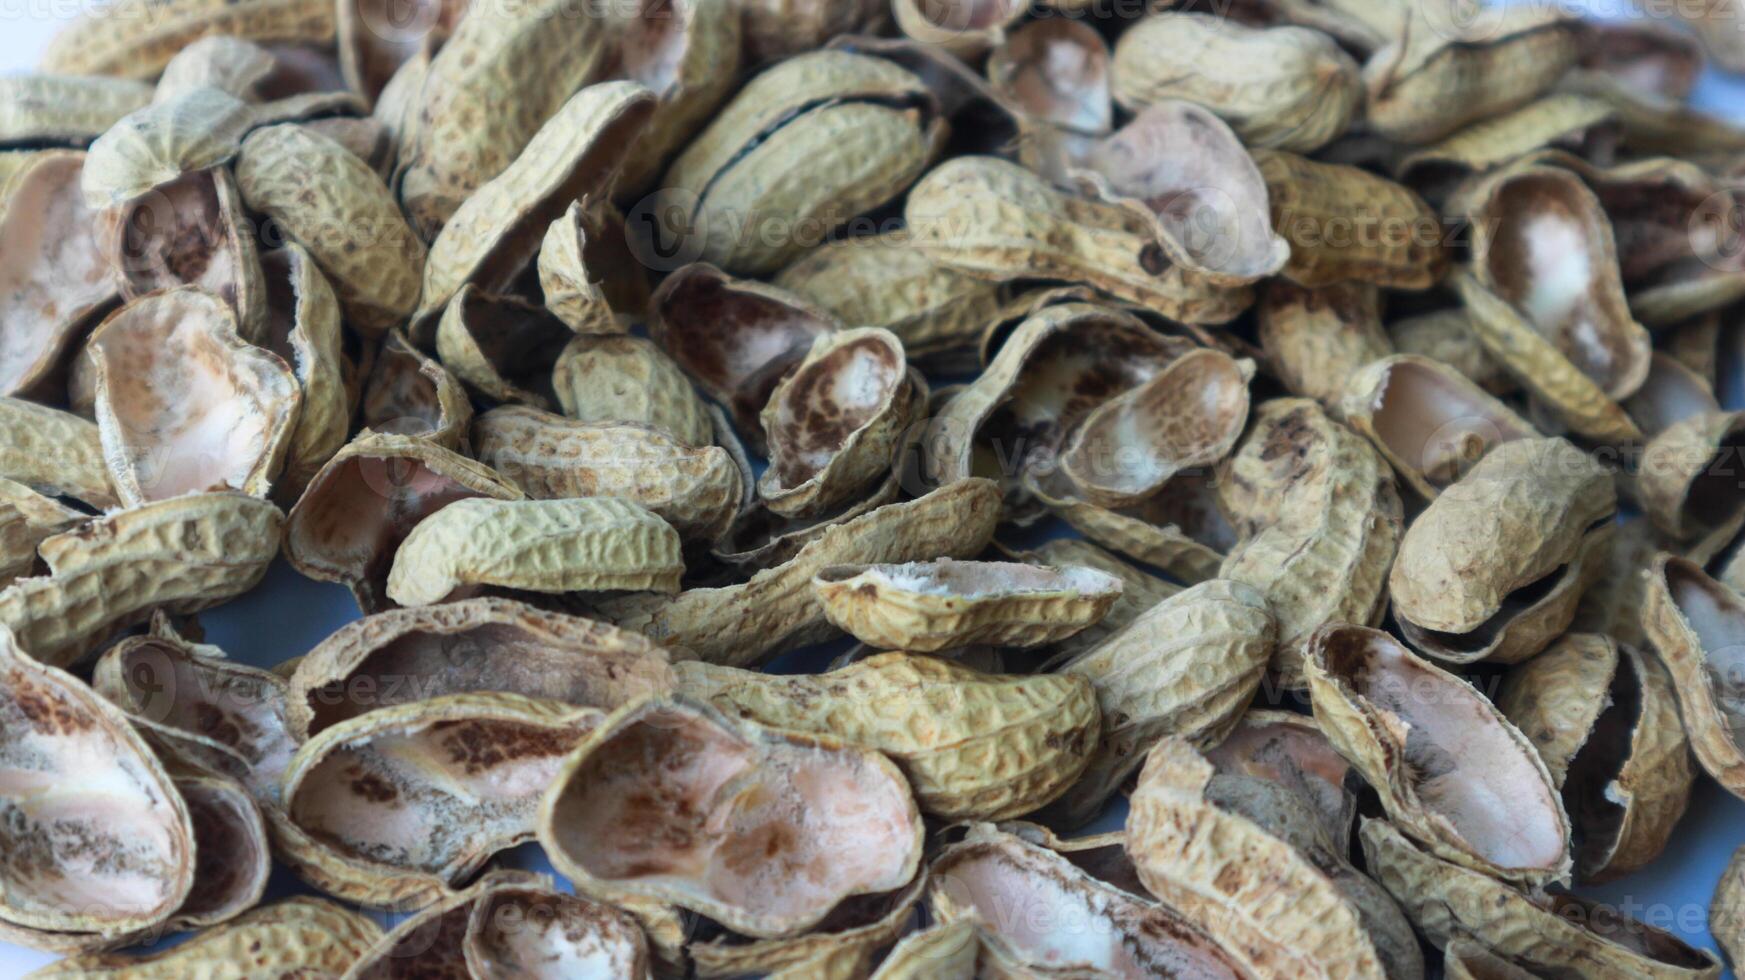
[(935, 719), (672, 801), (1697, 626)]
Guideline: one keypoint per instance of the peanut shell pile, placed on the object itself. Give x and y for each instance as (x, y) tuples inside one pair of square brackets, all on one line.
[(610, 353)]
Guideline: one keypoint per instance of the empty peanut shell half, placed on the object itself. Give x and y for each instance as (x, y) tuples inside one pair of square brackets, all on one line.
[(629, 379), (1697, 626), (1428, 420), (184, 404), (1605, 720), (589, 279), (936, 720), (762, 830), (1290, 750), (1687, 481), (410, 394), (487, 644), (569, 545), (435, 786), (1450, 769), (937, 605)]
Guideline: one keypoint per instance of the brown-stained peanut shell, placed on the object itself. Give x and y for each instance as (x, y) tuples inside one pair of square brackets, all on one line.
[(1696, 625), (1345, 224), (1450, 769), (1685, 481), (1316, 339), (793, 799), (410, 394), (587, 274)]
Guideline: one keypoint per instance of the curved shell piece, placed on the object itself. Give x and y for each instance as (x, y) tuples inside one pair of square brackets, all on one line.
[(183, 555), (1607, 725), (432, 941), (744, 624), (55, 453), (1188, 415), (736, 338), (484, 97), (940, 722), (571, 545), (1493, 568), (1428, 420), (535, 931), (231, 850), (66, 109), (26, 518), (503, 347), (696, 490), (997, 881), (1672, 392), (688, 54), (136, 39), (1318, 519), (1449, 768), (1447, 336), (229, 64), (1316, 339), (1559, 118), (497, 230), (672, 801), (802, 148), (946, 951), (475, 645), (1685, 481), (832, 424), (1290, 751), (885, 281), (366, 500), (1221, 868), (299, 935), (1309, 198), (1727, 909), (98, 842), (54, 275), (1438, 74), (410, 394), (938, 605), (1542, 244), (629, 379), (1448, 903), (434, 786), (330, 202), (197, 130), (1697, 626), (375, 38), (990, 219), (210, 706), (588, 276), (966, 29), (1140, 590), (1186, 667), (184, 404), (303, 327), (1289, 88)]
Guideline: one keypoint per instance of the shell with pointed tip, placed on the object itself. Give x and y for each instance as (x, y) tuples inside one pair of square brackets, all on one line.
[(333, 204), (494, 234), (434, 786), (938, 605), (740, 625), (182, 554), (366, 500), (974, 746), (990, 219), (696, 490), (93, 865), (1000, 882), (1284, 87), (1607, 725), (1449, 903), (54, 275), (184, 404), (1428, 420), (576, 544), (1494, 567), (1319, 521), (1449, 768), (673, 801), (629, 379)]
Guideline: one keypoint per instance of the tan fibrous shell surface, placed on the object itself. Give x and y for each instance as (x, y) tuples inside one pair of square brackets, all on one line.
[(304, 328), (1291, 751), (136, 39), (842, 945), (673, 801), (26, 519), (552, 546), (69, 109), (99, 843), (1450, 769), (503, 347), (1315, 339), (474, 645), (1684, 481), (435, 786), (994, 880), (1604, 717), (1493, 568), (1197, 848), (931, 606), (940, 722), (184, 404), (196, 130), (1549, 934), (1309, 198), (55, 453), (587, 275), (1697, 626)]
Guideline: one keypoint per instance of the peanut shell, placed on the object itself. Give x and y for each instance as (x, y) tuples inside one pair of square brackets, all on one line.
[(136, 39), (55, 453), (410, 394), (1344, 223), (1316, 339), (503, 347), (588, 276), (64, 109), (1694, 624)]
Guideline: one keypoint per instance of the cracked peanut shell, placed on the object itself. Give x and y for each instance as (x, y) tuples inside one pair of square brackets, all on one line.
[(630, 379), (974, 746), (587, 274), (55, 453), (1316, 339), (1697, 626)]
